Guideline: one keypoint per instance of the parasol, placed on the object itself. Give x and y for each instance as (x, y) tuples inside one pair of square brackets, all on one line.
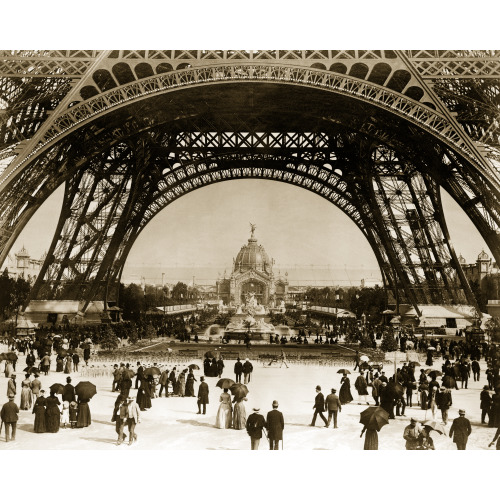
[(225, 383), (85, 390), (374, 418), (344, 371), (9, 356), (62, 352), (209, 354), (396, 390), (193, 366), (32, 370), (433, 373), (239, 390), (448, 382), (430, 348), (152, 371), (435, 426), (364, 358), (56, 388)]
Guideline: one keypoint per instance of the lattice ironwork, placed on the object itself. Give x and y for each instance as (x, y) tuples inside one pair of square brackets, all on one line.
[(376, 133)]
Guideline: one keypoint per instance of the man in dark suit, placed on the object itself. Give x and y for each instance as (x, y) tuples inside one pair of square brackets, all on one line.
[(460, 430), (275, 424), (238, 370), (333, 405), (247, 370), (255, 424), (202, 396), (68, 393), (9, 416), (319, 407), (443, 402)]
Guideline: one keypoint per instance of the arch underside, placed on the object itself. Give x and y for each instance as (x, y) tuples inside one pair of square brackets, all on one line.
[(122, 169)]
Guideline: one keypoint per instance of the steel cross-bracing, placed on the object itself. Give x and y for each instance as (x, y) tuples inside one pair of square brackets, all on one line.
[(376, 133)]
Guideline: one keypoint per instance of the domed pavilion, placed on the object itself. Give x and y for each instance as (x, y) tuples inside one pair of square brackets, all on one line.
[(252, 273)]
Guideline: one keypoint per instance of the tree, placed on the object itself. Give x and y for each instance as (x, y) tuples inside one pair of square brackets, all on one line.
[(389, 343), (179, 292), (150, 332), (132, 302), (109, 340)]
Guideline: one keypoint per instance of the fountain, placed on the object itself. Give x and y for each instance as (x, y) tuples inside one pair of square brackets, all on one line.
[(249, 319)]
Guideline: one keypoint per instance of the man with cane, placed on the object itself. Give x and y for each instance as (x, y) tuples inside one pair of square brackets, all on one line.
[(255, 425), (275, 425)]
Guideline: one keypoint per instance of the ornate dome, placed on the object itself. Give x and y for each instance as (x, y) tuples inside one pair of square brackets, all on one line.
[(483, 256), (23, 253), (253, 256)]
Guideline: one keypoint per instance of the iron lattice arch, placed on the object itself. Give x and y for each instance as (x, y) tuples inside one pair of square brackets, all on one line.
[(362, 129)]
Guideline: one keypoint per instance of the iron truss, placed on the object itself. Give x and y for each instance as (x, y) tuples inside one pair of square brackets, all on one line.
[(376, 133)]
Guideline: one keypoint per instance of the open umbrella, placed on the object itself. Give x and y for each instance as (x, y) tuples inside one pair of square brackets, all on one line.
[(31, 370), (239, 390), (435, 426), (56, 388), (209, 354), (62, 352), (433, 373), (153, 371), (414, 363), (448, 382), (374, 418), (9, 356), (193, 366), (85, 390), (364, 358), (344, 371), (377, 366), (225, 383), (396, 390), (430, 348)]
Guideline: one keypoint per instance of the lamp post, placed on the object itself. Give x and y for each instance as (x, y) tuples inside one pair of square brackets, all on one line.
[(163, 292)]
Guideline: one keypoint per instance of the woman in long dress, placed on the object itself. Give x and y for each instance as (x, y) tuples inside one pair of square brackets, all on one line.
[(59, 363), (39, 410), (26, 398), (52, 413), (239, 414), (182, 383), (190, 380), (224, 414), (371, 438), (144, 394), (68, 366), (84, 418), (345, 395)]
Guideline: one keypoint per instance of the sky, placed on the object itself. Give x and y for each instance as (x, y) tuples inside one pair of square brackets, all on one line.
[(296, 227), (203, 231)]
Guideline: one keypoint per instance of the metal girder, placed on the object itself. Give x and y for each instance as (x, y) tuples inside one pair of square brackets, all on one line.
[(123, 161)]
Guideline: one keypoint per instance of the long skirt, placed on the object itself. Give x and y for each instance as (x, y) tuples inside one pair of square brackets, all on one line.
[(239, 416), (84, 418), (371, 440), (189, 388), (224, 416), (143, 400), (59, 365), (68, 367), (345, 395), (39, 425), (182, 389), (52, 419), (26, 399)]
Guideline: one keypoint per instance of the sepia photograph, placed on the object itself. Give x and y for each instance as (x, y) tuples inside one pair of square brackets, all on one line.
[(291, 250)]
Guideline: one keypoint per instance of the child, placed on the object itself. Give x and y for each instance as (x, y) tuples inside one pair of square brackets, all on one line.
[(65, 414), (73, 413)]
